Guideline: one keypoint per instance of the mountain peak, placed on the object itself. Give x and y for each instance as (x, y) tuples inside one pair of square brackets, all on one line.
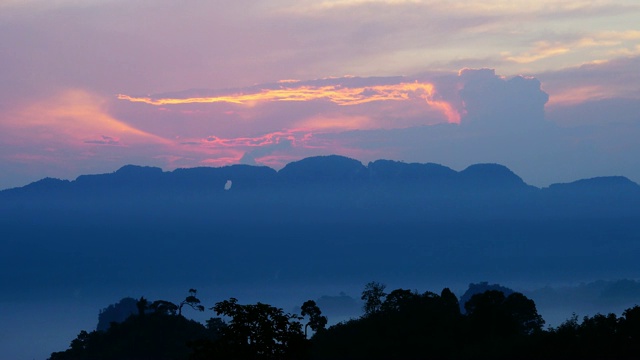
[(137, 170), (600, 184), (491, 175), (320, 169)]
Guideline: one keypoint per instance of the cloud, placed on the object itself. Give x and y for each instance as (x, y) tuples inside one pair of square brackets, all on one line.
[(339, 94), (332, 104), (616, 78), (502, 119), (428, 33), (103, 48), (109, 47), (622, 42), (541, 50), (74, 117), (104, 140), (493, 108), (517, 102), (69, 134), (280, 145), (609, 111)]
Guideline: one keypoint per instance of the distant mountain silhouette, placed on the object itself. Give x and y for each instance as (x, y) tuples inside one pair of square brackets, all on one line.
[(385, 171), (328, 188), (491, 177), (327, 171), (323, 219)]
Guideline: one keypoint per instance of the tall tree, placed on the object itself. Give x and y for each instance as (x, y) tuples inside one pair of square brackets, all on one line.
[(373, 295), (317, 322), (192, 301)]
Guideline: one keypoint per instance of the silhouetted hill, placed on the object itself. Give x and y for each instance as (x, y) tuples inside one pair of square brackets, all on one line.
[(40, 187), (321, 219), (399, 173), (327, 188), (493, 177), (324, 170), (613, 196), (604, 186), (330, 172)]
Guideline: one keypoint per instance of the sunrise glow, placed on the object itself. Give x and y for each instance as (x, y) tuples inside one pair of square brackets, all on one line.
[(343, 96)]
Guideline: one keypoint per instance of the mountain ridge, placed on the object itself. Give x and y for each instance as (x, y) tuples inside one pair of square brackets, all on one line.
[(323, 189), (390, 221), (331, 168)]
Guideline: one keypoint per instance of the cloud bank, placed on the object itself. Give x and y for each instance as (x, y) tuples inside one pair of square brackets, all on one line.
[(452, 118), (65, 61)]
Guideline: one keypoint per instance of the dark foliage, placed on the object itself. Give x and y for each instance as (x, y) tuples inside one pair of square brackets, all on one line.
[(258, 331), (410, 325), (118, 313), (407, 324), (597, 337), (156, 336), (403, 324)]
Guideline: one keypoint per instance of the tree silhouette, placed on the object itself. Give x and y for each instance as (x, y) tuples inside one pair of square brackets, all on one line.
[(523, 313), (156, 335), (164, 307), (192, 301), (450, 302), (493, 315), (259, 331), (372, 295), (397, 299), (406, 324), (142, 305), (317, 322), (117, 313)]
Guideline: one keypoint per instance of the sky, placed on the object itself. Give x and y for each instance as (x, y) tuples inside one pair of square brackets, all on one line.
[(551, 89)]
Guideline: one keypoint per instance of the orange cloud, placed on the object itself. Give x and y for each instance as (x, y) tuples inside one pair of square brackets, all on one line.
[(267, 139), (541, 50), (340, 95), (578, 95), (78, 117), (337, 123)]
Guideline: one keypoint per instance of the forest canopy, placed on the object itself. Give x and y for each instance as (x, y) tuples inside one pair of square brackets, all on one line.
[(401, 323)]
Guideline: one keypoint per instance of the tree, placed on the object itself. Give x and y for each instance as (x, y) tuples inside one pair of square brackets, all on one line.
[(259, 331), (450, 302), (116, 313), (155, 335), (372, 295), (493, 314), (192, 301), (523, 313), (164, 307), (317, 322), (142, 305), (398, 299)]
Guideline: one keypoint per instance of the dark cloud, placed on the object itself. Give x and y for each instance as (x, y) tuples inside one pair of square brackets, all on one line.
[(489, 99), (604, 111), (281, 145), (617, 78), (104, 140)]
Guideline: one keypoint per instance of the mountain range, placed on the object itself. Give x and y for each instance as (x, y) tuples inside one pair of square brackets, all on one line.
[(320, 220), (345, 185)]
